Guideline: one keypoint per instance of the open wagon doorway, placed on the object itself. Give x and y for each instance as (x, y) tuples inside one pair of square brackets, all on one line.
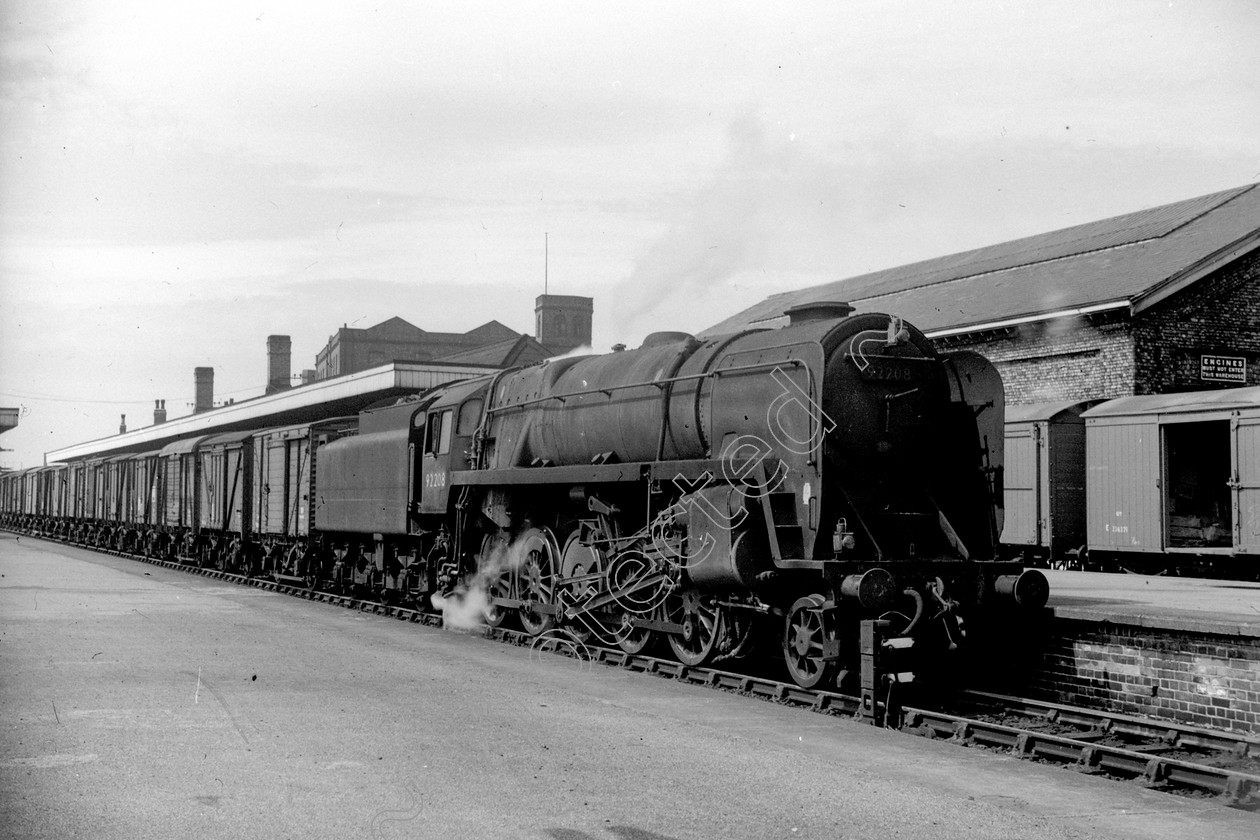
[(1198, 469)]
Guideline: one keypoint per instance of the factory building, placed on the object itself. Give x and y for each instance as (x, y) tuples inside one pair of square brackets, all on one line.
[(563, 322)]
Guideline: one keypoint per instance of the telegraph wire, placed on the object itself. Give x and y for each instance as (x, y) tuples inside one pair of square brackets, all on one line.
[(46, 398)]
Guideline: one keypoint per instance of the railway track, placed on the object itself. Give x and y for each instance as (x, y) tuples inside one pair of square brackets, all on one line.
[(1160, 754)]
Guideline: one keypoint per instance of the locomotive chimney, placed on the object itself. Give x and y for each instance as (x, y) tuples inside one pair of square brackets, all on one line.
[(279, 358), (818, 310), (159, 412), (122, 425), (203, 381)]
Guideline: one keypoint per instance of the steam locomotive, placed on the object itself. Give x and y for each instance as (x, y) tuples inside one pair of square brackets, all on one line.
[(800, 488)]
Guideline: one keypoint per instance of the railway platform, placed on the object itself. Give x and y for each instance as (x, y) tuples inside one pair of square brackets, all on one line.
[(1224, 607), (1186, 649)]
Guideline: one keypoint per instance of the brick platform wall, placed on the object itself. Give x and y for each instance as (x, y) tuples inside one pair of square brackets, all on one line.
[(1196, 678)]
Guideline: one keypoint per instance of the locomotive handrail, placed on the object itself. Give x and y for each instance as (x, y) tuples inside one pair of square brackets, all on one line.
[(870, 535), (660, 383)]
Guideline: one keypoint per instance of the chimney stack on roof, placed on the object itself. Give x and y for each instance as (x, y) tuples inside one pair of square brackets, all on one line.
[(279, 353), (203, 381), (122, 425), (159, 412)]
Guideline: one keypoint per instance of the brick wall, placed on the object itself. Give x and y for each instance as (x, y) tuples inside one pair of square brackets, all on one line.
[(1070, 359), (1196, 678), (1219, 315)]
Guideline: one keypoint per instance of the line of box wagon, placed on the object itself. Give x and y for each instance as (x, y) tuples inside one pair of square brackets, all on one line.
[(1158, 483), (236, 501), (831, 487)]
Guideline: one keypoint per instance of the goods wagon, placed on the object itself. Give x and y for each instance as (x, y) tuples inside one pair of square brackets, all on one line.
[(1176, 475), (1044, 480), (178, 503), (223, 465), (286, 461)]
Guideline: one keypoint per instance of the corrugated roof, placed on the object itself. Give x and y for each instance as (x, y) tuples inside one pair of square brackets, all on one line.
[(179, 447), (1036, 412), (228, 438), (1120, 259)]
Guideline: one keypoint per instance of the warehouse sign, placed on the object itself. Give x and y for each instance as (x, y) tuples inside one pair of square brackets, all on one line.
[(1223, 369)]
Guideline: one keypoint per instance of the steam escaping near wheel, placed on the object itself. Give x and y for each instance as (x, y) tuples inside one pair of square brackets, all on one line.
[(468, 607), (463, 610)]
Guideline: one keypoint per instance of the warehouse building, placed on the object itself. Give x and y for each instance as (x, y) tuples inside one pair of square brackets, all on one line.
[(1160, 300)]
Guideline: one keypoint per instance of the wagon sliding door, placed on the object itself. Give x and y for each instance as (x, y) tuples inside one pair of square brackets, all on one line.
[(1022, 485), (1122, 484), (275, 486), (281, 469), (1246, 485), (224, 476)]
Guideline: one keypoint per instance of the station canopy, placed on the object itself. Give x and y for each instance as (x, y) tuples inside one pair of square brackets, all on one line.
[(339, 396)]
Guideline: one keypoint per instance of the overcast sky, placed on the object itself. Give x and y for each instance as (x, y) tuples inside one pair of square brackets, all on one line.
[(178, 183)]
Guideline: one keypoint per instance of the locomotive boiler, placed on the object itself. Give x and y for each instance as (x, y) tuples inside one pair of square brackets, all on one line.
[(783, 484)]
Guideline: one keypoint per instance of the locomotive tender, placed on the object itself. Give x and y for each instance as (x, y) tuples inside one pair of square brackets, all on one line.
[(800, 485)]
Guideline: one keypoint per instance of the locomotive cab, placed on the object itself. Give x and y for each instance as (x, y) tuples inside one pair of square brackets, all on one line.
[(450, 430)]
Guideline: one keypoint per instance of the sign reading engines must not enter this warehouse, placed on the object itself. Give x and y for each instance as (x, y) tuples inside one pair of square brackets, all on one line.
[(1223, 369)]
